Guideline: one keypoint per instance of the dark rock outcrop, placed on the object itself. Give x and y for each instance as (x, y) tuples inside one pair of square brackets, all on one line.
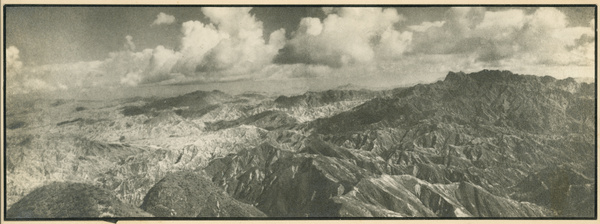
[(72, 200), (304, 186), (15, 125), (188, 194), (193, 104), (315, 99), (565, 191)]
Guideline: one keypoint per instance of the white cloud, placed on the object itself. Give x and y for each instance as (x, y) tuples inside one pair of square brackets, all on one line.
[(121, 63), (234, 21), (163, 18), (37, 85), (160, 67), (230, 47), (55, 77), (21, 79), (393, 44), (198, 39), (548, 40), (347, 43), (426, 25), (504, 37), (310, 26), (501, 39), (277, 39), (129, 45), (132, 78), (513, 19), (548, 18), (14, 66), (346, 36), (13, 61)]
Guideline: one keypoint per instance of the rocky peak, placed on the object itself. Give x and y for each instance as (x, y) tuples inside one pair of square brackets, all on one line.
[(455, 76)]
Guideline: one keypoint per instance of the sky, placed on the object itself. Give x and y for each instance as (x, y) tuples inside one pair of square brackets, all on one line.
[(125, 51)]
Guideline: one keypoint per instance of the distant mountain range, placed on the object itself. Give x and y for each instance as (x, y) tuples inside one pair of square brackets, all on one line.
[(485, 144)]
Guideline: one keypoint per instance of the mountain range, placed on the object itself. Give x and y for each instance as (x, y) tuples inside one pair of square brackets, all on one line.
[(485, 144)]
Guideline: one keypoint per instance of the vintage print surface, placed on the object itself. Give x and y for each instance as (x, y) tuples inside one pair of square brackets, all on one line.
[(300, 112)]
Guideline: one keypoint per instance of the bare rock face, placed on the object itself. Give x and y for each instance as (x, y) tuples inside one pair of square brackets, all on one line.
[(188, 194), (72, 200), (407, 196)]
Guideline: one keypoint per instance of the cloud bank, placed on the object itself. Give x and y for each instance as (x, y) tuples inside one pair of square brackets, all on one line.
[(509, 37), (347, 42)]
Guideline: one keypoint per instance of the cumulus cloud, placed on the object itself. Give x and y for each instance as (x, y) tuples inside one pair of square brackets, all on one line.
[(13, 68), (393, 43), (20, 81), (548, 40), (163, 18), (310, 26), (230, 47), (509, 19), (119, 67), (500, 38), (27, 79), (505, 37), (347, 43), (345, 36), (240, 46), (132, 78), (13, 61), (456, 26)]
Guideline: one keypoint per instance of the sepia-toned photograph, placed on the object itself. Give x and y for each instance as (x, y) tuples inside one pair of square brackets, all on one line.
[(162, 112)]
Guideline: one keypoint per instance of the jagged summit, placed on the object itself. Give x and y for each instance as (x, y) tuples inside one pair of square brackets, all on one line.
[(529, 103), (491, 76), (505, 76)]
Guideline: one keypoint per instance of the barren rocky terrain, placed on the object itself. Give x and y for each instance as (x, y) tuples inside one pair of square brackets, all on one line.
[(485, 144)]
